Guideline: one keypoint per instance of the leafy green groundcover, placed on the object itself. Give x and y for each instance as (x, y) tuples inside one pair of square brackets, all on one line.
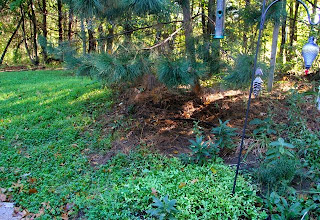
[(44, 141), (202, 192)]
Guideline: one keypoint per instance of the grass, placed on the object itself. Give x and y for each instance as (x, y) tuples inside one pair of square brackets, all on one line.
[(44, 167)]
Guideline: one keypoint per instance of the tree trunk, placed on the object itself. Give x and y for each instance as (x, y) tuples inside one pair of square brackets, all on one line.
[(293, 26), (245, 31), (25, 37), (189, 41), (101, 40), (35, 31), (9, 42), (188, 31), (83, 37), (203, 19), (70, 24), (44, 29), (314, 7), (92, 40), (211, 15), (110, 38), (283, 40), (275, 37), (60, 21)]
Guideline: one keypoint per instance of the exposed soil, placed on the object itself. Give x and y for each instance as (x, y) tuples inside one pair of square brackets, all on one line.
[(6, 68), (163, 120)]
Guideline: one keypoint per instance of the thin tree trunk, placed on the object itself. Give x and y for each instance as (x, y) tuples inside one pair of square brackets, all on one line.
[(188, 31), (101, 41), (203, 19), (25, 37), (275, 37), (314, 7), (92, 40), (283, 40), (245, 31), (83, 37), (60, 20), (293, 26), (110, 39), (211, 15), (70, 24), (9, 42), (44, 29), (35, 31), (189, 41)]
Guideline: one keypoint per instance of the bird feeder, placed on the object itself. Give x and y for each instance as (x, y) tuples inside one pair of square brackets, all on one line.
[(309, 52), (220, 19)]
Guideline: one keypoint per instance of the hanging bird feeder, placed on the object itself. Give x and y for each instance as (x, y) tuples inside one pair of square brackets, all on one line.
[(220, 19), (309, 52), (258, 82)]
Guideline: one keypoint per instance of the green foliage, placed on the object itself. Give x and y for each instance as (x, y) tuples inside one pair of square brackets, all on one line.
[(164, 208), (279, 149), (263, 131), (197, 129), (294, 205), (45, 144), (281, 209), (43, 116), (200, 191), (264, 127), (223, 134), (148, 6), (201, 151), (240, 73), (175, 72), (61, 52), (279, 166), (278, 173)]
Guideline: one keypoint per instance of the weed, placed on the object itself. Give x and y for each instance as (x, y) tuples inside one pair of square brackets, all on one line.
[(224, 135), (279, 149), (164, 208), (197, 130)]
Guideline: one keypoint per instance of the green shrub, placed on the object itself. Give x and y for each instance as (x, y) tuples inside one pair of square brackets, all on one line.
[(240, 73), (277, 173), (201, 151), (223, 134)]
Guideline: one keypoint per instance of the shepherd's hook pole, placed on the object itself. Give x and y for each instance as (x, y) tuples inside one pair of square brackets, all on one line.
[(250, 95)]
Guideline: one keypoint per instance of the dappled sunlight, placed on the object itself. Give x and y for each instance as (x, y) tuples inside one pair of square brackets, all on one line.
[(87, 96)]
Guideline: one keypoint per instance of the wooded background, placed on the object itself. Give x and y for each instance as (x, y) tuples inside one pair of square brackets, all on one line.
[(121, 40)]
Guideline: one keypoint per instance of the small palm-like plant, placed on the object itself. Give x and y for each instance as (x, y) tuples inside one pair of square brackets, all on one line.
[(224, 135), (202, 150), (163, 208)]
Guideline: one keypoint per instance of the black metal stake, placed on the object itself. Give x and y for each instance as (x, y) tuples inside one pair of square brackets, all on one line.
[(250, 95)]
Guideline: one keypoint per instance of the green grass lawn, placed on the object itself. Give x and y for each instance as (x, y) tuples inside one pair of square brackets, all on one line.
[(44, 165)]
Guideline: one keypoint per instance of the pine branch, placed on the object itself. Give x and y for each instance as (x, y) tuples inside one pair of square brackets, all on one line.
[(163, 42)]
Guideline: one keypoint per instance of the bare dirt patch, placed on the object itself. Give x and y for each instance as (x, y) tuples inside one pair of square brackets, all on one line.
[(163, 120)]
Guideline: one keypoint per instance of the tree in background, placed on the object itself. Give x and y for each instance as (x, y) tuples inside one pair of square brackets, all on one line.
[(173, 37)]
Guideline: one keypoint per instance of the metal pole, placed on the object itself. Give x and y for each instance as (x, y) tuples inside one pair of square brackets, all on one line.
[(250, 94)]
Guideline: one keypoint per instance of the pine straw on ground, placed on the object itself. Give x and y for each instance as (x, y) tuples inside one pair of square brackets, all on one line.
[(163, 120)]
